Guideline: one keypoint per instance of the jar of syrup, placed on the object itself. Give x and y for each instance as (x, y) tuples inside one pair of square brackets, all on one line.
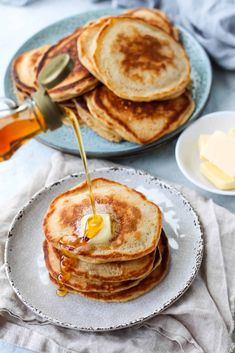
[(36, 114)]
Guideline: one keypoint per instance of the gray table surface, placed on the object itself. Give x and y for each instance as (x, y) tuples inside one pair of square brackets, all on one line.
[(161, 162)]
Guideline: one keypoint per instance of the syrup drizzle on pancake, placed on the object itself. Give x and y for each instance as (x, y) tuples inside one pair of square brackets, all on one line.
[(65, 274)]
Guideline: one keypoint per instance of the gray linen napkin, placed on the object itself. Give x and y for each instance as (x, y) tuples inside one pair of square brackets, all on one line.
[(201, 321), (212, 22)]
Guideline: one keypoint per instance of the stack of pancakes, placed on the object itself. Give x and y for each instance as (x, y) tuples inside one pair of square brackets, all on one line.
[(130, 263), (130, 81)]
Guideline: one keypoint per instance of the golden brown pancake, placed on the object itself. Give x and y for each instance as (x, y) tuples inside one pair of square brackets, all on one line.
[(136, 222), (24, 69), (151, 281), (108, 272), (80, 283), (87, 39), (97, 125), (146, 63), (79, 80), (154, 17), (144, 286), (83, 284), (86, 43), (68, 104), (71, 105), (139, 122), (20, 94)]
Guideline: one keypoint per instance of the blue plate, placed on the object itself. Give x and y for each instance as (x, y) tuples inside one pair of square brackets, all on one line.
[(63, 138)]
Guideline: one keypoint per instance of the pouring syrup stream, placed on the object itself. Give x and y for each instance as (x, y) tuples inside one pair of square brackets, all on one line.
[(95, 222)]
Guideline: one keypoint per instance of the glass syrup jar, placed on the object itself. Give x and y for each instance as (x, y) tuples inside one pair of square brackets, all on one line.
[(36, 114)]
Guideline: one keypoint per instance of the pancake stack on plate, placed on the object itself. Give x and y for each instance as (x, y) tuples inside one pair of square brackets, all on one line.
[(130, 263), (130, 81)]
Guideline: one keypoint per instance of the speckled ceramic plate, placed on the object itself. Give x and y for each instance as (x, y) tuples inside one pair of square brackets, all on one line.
[(29, 278), (63, 138)]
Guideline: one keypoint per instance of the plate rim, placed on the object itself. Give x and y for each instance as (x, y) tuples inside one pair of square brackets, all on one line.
[(198, 255), (184, 170), (139, 149)]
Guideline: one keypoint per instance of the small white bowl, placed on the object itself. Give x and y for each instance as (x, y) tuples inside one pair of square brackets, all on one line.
[(187, 151)]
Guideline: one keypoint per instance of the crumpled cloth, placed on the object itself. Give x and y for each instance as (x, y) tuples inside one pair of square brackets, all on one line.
[(200, 321), (212, 22)]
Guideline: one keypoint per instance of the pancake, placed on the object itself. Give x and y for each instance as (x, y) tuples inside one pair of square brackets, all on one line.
[(86, 43), (80, 283), (79, 80), (139, 122), (136, 222), (147, 63), (144, 286), (97, 125), (24, 69), (68, 104), (108, 272), (155, 17), (20, 94), (87, 39), (71, 105)]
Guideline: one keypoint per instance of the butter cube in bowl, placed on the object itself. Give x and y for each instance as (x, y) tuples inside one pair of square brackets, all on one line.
[(205, 152)]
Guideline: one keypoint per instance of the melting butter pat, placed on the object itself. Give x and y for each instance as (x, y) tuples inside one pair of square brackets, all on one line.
[(104, 235), (217, 152)]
